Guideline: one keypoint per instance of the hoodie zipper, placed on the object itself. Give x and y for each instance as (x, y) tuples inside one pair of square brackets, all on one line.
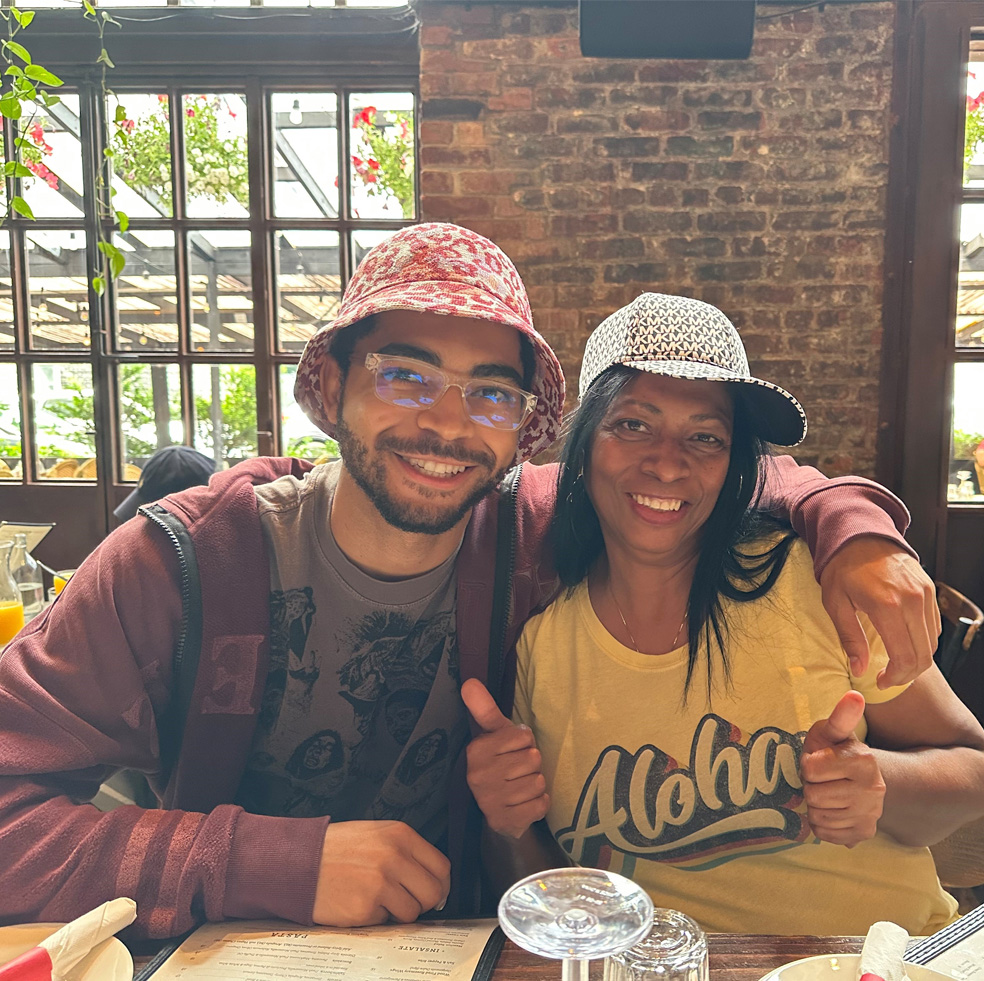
[(499, 652)]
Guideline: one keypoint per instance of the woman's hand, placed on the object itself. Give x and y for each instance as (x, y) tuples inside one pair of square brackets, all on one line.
[(504, 766), (842, 782)]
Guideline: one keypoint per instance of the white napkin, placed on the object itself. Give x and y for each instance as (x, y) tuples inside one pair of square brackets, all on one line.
[(74, 940), (882, 952)]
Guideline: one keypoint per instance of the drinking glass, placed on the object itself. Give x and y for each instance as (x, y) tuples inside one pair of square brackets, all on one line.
[(61, 578), (965, 488), (575, 915), (11, 604), (674, 950)]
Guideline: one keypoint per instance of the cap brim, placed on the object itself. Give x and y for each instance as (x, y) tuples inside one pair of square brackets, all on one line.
[(128, 508), (775, 415)]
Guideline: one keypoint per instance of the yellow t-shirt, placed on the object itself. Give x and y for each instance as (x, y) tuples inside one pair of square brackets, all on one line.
[(701, 801)]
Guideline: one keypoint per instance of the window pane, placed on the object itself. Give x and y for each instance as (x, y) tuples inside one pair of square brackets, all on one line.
[(298, 435), (305, 154), (6, 297), (53, 152), (10, 425), (970, 278), (142, 175), (382, 176), (966, 481), (59, 289), (215, 155), (150, 413), (225, 411), (64, 422), (308, 284), (146, 298), (221, 291)]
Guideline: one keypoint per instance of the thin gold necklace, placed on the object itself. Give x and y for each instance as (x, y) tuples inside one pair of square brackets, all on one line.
[(621, 617)]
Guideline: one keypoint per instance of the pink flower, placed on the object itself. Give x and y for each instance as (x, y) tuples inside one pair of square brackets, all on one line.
[(374, 164), (37, 133), (365, 118), (162, 99), (189, 112), (370, 178), (127, 125), (357, 162)]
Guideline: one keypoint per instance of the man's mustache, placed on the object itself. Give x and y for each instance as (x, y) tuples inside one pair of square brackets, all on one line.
[(435, 447)]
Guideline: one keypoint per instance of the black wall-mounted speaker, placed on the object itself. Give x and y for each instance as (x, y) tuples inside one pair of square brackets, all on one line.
[(666, 28)]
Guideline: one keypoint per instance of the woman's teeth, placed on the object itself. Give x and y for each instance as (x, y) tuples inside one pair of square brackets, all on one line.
[(436, 469), (657, 503)]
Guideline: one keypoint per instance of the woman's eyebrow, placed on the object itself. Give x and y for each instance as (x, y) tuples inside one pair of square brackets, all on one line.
[(696, 417)]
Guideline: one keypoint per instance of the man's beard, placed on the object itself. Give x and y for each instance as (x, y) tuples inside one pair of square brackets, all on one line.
[(370, 475)]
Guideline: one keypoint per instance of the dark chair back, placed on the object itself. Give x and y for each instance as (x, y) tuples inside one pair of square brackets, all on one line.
[(962, 619)]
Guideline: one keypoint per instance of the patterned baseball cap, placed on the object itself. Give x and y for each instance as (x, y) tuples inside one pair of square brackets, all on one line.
[(445, 269), (685, 338)]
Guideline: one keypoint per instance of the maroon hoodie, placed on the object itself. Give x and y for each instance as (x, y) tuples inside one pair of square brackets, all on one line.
[(86, 686)]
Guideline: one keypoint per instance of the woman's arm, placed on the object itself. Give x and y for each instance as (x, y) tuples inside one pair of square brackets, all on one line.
[(930, 750), (507, 859)]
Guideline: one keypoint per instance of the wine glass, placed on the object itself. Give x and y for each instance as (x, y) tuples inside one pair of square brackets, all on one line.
[(965, 488), (575, 915)]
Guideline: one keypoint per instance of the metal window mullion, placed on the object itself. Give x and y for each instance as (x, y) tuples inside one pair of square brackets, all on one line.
[(345, 250), (260, 170)]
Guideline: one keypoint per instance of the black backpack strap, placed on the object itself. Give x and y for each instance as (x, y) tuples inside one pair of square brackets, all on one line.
[(505, 560), (188, 649)]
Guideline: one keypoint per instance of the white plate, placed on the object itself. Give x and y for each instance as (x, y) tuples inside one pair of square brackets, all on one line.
[(840, 967), (109, 961)]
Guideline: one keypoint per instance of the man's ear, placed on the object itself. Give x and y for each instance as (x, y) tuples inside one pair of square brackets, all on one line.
[(331, 388)]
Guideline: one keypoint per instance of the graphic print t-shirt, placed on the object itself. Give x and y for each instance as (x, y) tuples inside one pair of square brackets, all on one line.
[(701, 802), (362, 716)]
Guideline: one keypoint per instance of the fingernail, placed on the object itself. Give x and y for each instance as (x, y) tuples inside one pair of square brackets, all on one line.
[(444, 902)]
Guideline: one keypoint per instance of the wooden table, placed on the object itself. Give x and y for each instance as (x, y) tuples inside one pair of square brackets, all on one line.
[(734, 957)]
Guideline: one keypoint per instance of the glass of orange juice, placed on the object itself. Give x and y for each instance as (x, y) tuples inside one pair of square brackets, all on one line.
[(11, 604), (11, 620), (61, 577)]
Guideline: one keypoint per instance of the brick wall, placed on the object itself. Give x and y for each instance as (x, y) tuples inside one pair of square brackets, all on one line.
[(756, 185)]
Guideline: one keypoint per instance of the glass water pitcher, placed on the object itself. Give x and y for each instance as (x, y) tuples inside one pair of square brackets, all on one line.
[(27, 574), (11, 606)]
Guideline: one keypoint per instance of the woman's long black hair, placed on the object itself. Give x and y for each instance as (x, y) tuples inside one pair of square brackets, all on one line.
[(723, 568)]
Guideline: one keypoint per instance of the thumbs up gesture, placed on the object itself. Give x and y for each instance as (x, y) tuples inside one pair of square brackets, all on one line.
[(504, 766), (842, 782)]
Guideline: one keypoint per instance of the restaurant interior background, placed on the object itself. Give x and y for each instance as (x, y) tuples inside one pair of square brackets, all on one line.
[(827, 192)]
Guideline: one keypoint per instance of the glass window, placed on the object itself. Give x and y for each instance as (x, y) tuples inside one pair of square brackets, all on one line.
[(150, 413), (10, 425), (299, 436), (966, 482), (216, 173), (382, 155), (221, 290), (141, 144), (52, 151), (309, 284), (59, 285), (225, 412), (305, 154), (64, 421), (6, 296), (146, 294)]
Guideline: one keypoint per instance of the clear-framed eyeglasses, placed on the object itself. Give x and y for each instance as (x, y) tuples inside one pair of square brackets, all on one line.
[(415, 384)]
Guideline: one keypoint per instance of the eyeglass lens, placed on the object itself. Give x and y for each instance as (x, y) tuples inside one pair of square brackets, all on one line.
[(414, 385)]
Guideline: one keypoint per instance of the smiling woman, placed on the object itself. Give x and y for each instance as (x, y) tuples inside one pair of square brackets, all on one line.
[(694, 653)]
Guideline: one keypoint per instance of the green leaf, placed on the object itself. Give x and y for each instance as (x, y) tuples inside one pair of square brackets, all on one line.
[(120, 115), (104, 59), (26, 17), (124, 219), (19, 50), (19, 205), (16, 14), (15, 169), (10, 107), (117, 260), (42, 75), (99, 285), (109, 153), (50, 99), (14, 70), (109, 20), (89, 9)]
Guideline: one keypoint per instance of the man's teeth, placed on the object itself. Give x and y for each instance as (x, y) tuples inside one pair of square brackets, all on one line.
[(437, 469), (657, 503)]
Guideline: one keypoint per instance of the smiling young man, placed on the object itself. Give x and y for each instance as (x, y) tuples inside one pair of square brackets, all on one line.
[(281, 652)]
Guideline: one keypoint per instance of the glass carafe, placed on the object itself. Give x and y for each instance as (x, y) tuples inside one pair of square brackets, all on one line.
[(11, 607), (27, 574)]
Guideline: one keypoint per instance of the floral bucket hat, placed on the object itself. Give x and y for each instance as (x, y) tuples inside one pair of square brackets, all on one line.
[(444, 269), (685, 338)]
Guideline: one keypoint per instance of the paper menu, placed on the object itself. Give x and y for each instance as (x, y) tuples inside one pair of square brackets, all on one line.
[(271, 950), (956, 950)]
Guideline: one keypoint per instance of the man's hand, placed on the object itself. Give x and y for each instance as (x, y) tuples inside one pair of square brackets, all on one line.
[(876, 577), (372, 871), (842, 783), (504, 766)]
